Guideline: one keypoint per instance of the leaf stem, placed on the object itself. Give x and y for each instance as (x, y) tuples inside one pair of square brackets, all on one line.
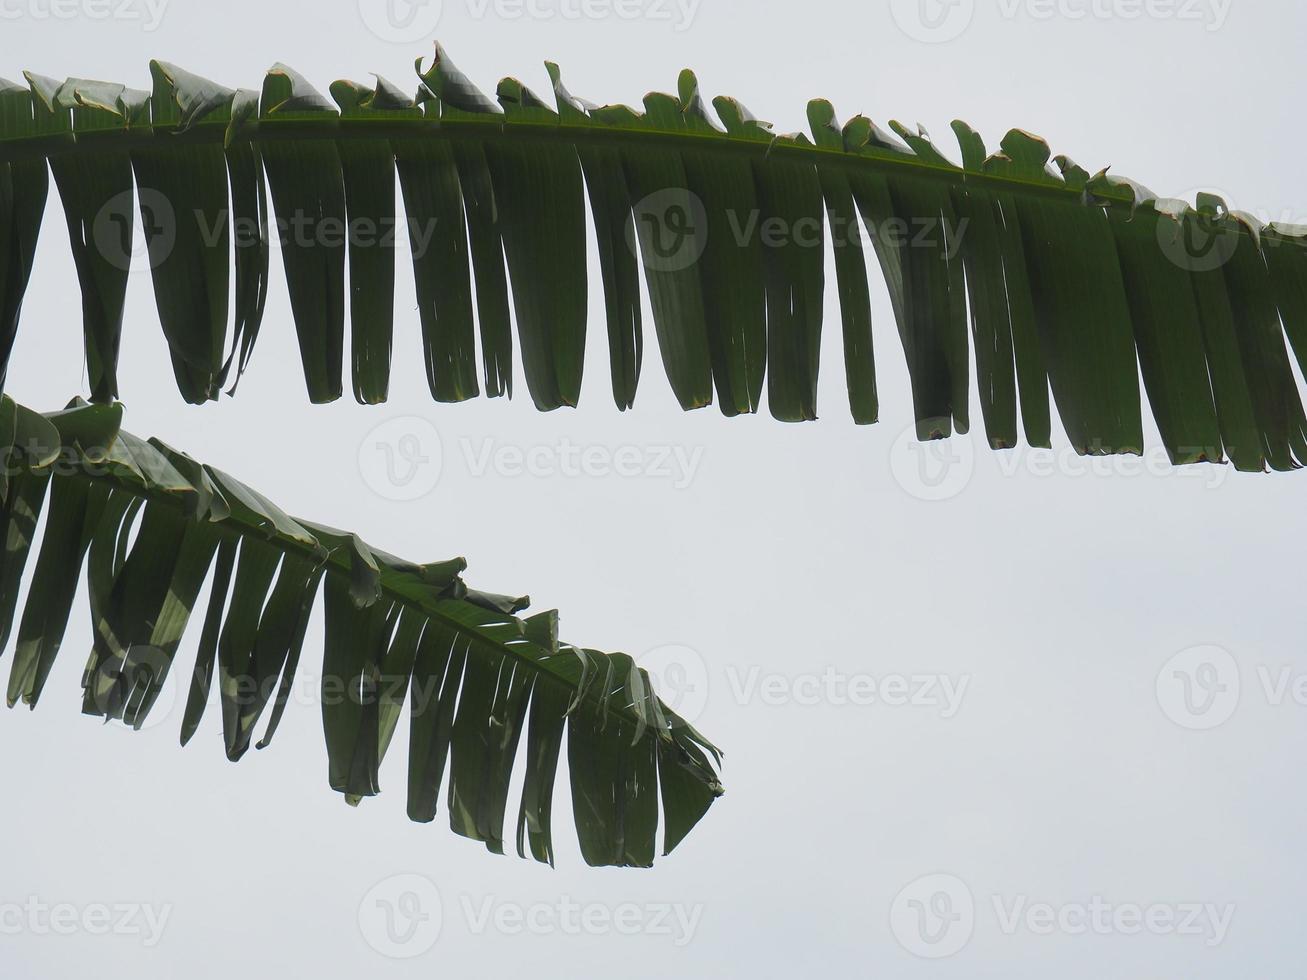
[(494, 127)]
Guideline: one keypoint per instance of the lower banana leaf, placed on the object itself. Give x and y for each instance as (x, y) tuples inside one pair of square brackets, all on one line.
[(148, 524)]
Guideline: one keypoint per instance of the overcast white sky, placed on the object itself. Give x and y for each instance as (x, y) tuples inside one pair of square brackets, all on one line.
[(1041, 805)]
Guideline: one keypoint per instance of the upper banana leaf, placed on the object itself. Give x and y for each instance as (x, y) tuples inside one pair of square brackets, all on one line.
[(149, 524), (1062, 281)]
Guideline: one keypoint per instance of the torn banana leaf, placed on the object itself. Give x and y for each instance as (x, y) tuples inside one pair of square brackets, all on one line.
[(1013, 274), (148, 526)]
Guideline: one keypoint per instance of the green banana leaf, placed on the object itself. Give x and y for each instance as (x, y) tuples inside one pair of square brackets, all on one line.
[(148, 523), (1059, 279)]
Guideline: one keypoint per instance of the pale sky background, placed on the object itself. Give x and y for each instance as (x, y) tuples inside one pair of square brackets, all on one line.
[(1050, 596)]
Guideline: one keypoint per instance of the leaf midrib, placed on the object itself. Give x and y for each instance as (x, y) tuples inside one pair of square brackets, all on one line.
[(337, 558), (593, 133)]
